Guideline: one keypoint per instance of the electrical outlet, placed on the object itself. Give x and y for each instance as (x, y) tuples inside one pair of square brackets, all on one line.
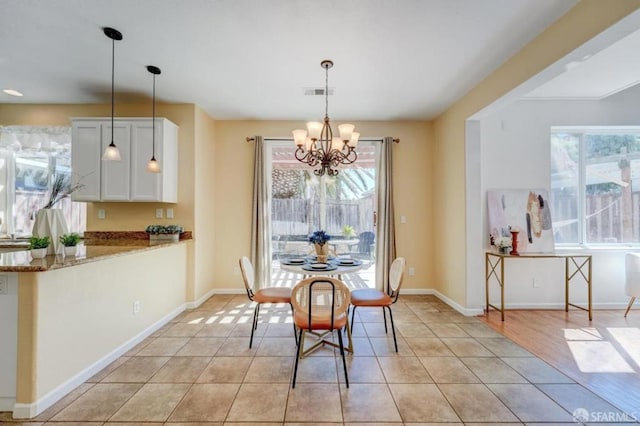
[(169, 213), (412, 271), (159, 213), (4, 284), (403, 219), (136, 307), (236, 270), (101, 214)]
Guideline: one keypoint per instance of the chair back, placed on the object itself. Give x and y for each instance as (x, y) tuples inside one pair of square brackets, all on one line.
[(247, 275), (321, 300), (632, 275), (396, 273), (365, 240)]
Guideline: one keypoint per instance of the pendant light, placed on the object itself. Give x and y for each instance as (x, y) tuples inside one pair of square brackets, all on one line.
[(152, 165), (112, 153)]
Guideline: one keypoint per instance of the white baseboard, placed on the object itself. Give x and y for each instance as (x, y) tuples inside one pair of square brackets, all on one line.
[(26, 411), (200, 301)]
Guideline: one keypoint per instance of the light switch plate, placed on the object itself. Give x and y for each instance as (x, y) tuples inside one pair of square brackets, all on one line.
[(169, 213), (159, 213), (101, 214)]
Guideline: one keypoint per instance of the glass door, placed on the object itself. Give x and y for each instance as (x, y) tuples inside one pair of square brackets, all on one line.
[(344, 206)]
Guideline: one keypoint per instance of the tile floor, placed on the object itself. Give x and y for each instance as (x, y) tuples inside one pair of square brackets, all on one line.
[(199, 370)]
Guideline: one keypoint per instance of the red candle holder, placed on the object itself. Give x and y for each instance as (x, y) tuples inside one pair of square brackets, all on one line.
[(514, 243)]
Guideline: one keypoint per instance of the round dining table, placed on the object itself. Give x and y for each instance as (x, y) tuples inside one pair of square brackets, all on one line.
[(308, 266)]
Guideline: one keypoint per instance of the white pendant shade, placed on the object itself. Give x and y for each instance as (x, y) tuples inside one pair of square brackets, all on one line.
[(111, 153), (353, 141), (153, 166), (314, 128), (299, 136), (345, 131)]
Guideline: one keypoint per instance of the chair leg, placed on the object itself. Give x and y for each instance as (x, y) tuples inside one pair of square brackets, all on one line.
[(293, 323), (633, 299), (353, 314), (298, 356), (254, 325), (384, 316), (393, 327), (344, 360)]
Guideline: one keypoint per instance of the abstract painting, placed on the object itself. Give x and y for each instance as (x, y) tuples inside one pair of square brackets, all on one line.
[(525, 210)]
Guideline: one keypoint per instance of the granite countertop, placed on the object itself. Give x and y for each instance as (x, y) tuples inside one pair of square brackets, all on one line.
[(91, 250)]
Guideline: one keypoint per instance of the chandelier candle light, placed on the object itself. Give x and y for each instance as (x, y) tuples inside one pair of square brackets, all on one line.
[(317, 146)]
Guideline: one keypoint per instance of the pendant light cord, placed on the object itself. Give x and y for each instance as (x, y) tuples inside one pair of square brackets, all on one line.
[(113, 68), (153, 121), (326, 92)]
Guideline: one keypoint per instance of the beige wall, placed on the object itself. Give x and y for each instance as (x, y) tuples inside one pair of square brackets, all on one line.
[(413, 185), (587, 19)]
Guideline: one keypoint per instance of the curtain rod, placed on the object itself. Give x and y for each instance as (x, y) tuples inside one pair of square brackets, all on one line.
[(250, 139)]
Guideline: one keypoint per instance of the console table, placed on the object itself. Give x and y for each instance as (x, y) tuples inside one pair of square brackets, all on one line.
[(575, 266)]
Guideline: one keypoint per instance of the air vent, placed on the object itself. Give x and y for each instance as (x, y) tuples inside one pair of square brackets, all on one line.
[(316, 91)]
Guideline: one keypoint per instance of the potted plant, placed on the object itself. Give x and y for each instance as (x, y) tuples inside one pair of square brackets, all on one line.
[(70, 243), (164, 232), (503, 244), (38, 246), (348, 231), (319, 240)]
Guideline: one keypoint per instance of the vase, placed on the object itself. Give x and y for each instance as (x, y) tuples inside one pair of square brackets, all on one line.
[(322, 252), (164, 237), (514, 243), (38, 253), (70, 250), (503, 250), (51, 223)]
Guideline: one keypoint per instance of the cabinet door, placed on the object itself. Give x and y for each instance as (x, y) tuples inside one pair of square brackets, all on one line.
[(145, 186), (116, 174), (85, 160)]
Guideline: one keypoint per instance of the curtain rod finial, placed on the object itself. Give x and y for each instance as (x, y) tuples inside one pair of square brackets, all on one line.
[(250, 139), (396, 140)]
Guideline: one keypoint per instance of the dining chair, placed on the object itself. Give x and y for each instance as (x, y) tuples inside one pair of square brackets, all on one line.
[(320, 305), (263, 295), (370, 297)]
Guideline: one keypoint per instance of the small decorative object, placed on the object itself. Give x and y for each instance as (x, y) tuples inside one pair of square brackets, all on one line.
[(514, 241), (503, 244), (38, 246), (49, 221), (348, 231), (164, 232), (319, 240), (70, 243)]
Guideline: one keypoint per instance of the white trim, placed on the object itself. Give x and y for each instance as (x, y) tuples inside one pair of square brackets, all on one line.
[(228, 291), (200, 301), (467, 312), (7, 403), (26, 411)]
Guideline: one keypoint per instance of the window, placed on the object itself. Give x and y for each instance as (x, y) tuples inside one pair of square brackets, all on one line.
[(595, 185), (29, 159)]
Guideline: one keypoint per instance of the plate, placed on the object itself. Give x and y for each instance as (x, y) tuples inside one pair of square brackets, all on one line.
[(293, 262), (319, 267)]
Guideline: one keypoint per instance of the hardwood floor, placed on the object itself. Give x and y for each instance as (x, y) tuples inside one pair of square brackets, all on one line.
[(602, 355)]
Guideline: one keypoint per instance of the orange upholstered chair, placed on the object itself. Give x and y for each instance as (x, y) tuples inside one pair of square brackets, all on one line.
[(320, 305), (263, 295), (369, 297)]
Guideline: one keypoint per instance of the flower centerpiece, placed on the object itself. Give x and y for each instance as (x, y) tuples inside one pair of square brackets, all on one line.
[(503, 244), (319, 240), (164, 232)]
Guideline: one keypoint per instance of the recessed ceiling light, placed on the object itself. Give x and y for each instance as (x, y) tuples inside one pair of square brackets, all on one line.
[(12, 92)]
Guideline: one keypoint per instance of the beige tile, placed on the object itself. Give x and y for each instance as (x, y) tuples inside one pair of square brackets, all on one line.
[(383, 346), (133, 351), (108, 369), (225, 370), (239, 346), (201, 346), (411, 329), (529, 403), (205, 403), (279, 330), (477, 329), (181, 370), (573, 396), (163, 346), (136, 369), (368, 403), (422, 402), (277, 346), (243, 329), (376, 329), (216, 330), (536, 371), (403, 316), (428, 346), (182, 329), (404, 370), (62, 403), (466, 347), (361, 346), (259, 402), (270, 370), (128, 424), (71, 424), (197, 424), (358, 329), (493, 370), (152, 403), (360, 370), (317, 370), (369, 315), (503, 347), (447, 330), (448, 370), (99, 403), (314, 402), (476, 403)]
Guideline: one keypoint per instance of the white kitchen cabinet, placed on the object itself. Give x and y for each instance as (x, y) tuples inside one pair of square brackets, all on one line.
[(127, 179)]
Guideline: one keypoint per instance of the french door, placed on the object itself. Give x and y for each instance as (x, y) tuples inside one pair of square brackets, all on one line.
[(300, 202)]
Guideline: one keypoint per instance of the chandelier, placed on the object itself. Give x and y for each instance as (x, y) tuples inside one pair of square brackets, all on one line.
[(318, 147)]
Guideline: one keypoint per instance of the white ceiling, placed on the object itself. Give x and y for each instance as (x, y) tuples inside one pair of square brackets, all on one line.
[(252, 59)]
